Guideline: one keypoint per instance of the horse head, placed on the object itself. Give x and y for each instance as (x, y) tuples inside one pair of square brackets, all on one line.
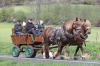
[(77, 24), (87, 26), (86, 29), (72, 27)]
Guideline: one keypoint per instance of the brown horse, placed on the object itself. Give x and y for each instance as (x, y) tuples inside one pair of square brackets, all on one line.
[(67, 29), (65, 40), (77, 40), (48, 35)]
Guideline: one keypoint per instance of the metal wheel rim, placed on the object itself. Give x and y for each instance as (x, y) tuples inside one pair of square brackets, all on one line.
[(15, 51), (28, 52)]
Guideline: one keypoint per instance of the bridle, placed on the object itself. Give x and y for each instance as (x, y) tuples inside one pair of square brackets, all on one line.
[(85, 36), (86, 28)]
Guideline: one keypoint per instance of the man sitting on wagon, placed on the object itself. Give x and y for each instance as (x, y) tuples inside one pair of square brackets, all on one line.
[(40, 27), (18, 28), (30, 28)]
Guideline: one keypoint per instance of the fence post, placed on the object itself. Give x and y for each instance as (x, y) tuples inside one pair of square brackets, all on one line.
[(96, 38)]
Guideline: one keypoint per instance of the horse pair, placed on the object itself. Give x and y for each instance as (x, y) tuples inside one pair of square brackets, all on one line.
[(73, 32)]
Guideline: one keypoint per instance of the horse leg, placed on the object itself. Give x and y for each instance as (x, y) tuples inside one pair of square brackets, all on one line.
[(77, 49), (82, 50), (66, 56), (58, 51), (50, 53), (61, 52), (45, 50)]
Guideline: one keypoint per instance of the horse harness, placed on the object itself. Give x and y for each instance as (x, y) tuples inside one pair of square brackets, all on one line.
[(52, 34), (66, 33), (85, 30)]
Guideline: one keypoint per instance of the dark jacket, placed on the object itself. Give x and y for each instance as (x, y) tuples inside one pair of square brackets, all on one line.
[(18, 28), (29, 26), (40, 27)]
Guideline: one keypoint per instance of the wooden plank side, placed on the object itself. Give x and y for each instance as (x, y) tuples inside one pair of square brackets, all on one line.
[(29, 39), (38, 39), (25, 39), (12, 38), (21, 39), (18, 39)]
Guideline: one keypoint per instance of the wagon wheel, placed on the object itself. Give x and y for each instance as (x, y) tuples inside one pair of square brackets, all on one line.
[(30, 52), (15, 51)]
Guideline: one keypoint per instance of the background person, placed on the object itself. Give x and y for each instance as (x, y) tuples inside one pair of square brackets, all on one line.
[(18, 28), (30, 28), (40, 27)]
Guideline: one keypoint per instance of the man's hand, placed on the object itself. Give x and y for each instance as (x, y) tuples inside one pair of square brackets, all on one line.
[(32, 28), (36, 29)]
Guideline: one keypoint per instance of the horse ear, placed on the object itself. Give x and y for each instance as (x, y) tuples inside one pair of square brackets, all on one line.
[(77, 19), (84, 20)]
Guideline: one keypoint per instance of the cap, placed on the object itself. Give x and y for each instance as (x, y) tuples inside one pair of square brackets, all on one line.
[(30, 19), (18, 21)]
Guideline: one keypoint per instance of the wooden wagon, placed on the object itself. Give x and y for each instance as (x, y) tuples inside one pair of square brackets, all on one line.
[(31, 43)]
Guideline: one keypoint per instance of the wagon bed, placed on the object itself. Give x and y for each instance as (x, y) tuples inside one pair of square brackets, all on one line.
[(29, 41), (26, 39)]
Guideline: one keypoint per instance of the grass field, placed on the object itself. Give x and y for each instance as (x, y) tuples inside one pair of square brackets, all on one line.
[(92, 48), (12, 63)]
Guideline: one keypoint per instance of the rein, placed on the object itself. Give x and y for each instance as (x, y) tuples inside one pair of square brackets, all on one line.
[(86, 35)]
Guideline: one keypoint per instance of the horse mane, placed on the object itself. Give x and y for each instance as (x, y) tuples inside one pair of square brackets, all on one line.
[(86, 22), (70, 23)]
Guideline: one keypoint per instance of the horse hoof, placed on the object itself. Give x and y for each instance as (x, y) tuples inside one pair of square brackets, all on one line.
[(44, 57), (83, 58), (54, 57), (75, 58), (67, 58), (61, 57), (50, 54)]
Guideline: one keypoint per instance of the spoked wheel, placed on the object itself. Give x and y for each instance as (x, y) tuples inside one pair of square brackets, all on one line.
[(30, 52), (15, 51)]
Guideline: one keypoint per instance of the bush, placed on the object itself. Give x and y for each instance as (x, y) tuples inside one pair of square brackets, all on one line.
[(18, 15), (88, 2), (5, 13)]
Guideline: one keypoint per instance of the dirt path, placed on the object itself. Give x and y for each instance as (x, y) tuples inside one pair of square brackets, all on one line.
[(41, 60)]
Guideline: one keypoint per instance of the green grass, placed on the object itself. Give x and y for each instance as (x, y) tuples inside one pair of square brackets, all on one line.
[(4, 62), (92, 48), (92, 36), (5, 39), (12, 63)]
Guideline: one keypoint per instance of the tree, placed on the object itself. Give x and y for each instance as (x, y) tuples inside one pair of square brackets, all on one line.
[(38, 8)]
